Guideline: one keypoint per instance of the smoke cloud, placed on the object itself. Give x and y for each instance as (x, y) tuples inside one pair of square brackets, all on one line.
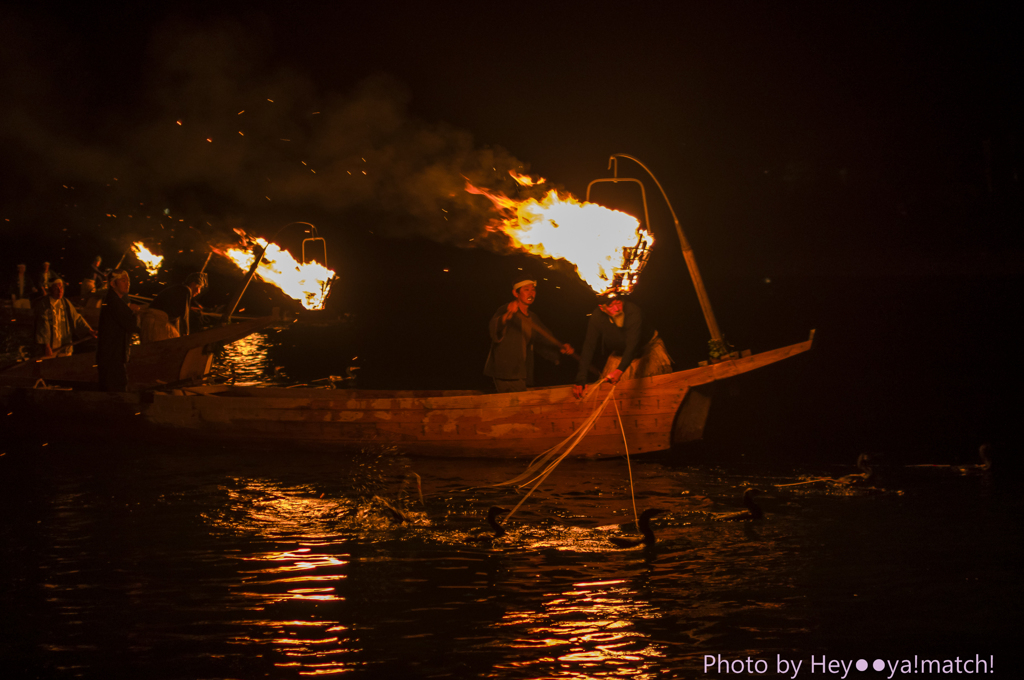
[(215, 132)]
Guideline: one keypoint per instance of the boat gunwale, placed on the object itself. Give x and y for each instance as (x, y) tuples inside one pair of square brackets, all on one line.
[(667, 384)]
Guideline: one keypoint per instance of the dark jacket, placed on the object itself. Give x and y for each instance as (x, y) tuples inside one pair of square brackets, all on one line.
[(628, 341), (175, 301), (513, 344), (117, 326)]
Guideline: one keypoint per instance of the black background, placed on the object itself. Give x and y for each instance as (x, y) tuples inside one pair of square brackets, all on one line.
[(850, 167)]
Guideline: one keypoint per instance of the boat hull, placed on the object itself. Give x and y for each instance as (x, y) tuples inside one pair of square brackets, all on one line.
[(641, 415), (151, 364)]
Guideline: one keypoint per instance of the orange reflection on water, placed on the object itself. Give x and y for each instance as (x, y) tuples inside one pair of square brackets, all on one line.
[(290, 641), (595, 623), (299, 559), (268, 511), (246, 360), (327, 669), (322, 668), (303, 559), (310, 594)]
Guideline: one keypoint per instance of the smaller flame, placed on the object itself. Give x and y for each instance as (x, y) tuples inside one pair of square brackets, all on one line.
[(151, 261), (526, 180), (309, 283)]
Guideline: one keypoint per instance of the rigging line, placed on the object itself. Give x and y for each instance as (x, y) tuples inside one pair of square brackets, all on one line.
[(538, 464), (544, 469), (542, 458), (575, 438), (808, 481), (552, 466), (632, 493)]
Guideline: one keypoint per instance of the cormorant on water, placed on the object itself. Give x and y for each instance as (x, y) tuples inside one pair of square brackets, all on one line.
[(644, 524), (394, 510), (492, 519), (393, 513), (479, 535), (863, 477), (407, 479), (984, 466), (753, 510)]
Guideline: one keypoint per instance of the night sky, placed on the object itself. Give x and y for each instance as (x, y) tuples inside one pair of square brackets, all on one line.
[(851, 167)]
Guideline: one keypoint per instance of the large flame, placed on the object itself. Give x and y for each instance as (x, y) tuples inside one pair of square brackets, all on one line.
[(608, 248), (308, 283), (151, 261)]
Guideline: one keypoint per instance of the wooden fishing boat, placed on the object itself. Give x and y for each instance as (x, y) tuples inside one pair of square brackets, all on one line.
[(151, 364), (637, 415), (647, 414)]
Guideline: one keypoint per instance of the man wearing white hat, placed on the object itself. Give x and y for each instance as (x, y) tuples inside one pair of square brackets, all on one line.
[(515, 333), (57, 322)]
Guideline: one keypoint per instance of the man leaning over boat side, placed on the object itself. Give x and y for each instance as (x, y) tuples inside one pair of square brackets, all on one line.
[(118, 323), (516, 333), (57, 322), (167, 315), (635, 349)]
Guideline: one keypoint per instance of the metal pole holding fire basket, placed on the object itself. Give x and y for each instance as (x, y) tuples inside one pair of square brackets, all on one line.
[(691, 262), (258, 252)]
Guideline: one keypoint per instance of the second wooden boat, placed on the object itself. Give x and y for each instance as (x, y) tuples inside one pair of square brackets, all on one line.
[(151, 363)]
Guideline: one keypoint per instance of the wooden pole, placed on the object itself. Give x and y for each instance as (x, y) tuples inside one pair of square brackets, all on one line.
[(259, 252), (124, 255), (558, 342), (691, 262), (54, 356)]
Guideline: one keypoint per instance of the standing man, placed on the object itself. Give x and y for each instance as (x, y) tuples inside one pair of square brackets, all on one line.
[(22, 289), (117, 326), (57, 321), (635, 349), (46, 277), (167, 315), (98, 276), (515, 333)]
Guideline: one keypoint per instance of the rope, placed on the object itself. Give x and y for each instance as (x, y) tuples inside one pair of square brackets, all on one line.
[(809, 481), (541, 462), (632, 494)]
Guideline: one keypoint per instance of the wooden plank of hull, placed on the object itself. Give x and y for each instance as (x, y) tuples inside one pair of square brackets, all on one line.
[(518, 433), (152, 363), (459, 427)]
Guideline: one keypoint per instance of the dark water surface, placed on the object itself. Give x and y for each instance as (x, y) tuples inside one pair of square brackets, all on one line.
[(128, 559), (219, 563)]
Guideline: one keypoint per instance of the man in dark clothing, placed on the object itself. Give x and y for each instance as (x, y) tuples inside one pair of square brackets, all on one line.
[(635, 349), (168, 314), (515, 333), (117, 326), (98, 276)]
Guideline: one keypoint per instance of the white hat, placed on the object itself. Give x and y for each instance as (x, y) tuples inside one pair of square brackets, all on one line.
[(519, 284)]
